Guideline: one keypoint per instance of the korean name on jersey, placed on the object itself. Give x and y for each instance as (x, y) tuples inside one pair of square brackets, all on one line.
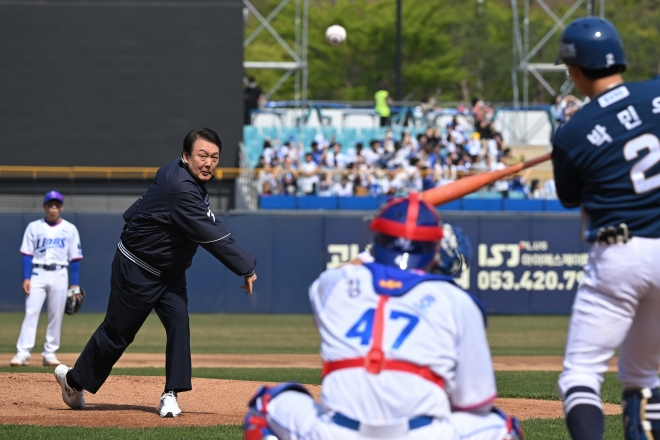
[(609, 159)]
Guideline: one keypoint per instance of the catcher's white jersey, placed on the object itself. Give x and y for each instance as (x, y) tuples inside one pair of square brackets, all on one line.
[(416, 320), (425, 322), (48, 245)]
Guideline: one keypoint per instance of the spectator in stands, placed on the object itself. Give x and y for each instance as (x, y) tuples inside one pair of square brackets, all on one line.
[(253, 98), (283, 151), (557, 106), (456, 133), (288, 184), (266, 174), (473, 146), (536, 192), (343, 188), (414, 175), (408, 141), (550, 189), (337, 159), (325, 188), (481, 112), (309, 178), (388, 141), (261, 163), (502, 185), (269, 152), (562, 108), (316, 153), (382, 106), (267, 189), (295, 153), (573, 104), (371, 155)]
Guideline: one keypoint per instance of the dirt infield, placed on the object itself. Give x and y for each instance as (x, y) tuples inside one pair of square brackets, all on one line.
[(500, 363), (131, 401)]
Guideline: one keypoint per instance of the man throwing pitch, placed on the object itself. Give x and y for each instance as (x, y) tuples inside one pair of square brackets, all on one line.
[(405, 352), (607, 159), (163, 230)]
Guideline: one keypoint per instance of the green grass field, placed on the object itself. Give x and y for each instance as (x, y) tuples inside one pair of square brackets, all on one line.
[(508, 335), (535, 429), (249, 333)]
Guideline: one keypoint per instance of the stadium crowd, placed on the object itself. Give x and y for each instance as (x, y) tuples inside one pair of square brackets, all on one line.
[(394, 165)]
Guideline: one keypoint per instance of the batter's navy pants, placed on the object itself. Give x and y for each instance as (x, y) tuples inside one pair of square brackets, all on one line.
[(134, 292)]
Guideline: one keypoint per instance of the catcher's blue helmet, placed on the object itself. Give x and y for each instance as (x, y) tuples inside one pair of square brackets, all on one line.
[(455, 250), (592, 43), (407, 233)]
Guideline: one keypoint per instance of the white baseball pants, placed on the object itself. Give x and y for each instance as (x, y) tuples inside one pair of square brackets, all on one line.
[(44, 284), (617, 305), (296, 416)]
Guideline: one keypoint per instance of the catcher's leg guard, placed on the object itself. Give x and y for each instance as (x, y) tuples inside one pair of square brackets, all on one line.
[(641, 414), (514, 430), (255, 425)]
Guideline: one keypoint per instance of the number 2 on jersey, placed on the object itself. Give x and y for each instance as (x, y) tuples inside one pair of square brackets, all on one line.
[(363, 328), (631, 150)]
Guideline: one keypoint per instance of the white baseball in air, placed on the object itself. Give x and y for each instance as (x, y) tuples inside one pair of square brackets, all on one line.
[(335, 35)]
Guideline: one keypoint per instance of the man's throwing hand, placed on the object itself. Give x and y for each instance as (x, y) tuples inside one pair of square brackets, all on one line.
[(248, 283)]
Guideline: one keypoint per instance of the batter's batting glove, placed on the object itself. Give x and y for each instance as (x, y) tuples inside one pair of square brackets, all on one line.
[(74, 300)]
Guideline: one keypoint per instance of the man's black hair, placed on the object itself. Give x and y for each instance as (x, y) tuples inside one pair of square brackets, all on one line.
[(603, 73), (205, 133)]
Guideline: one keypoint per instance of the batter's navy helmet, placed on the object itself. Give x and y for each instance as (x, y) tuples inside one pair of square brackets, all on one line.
[(592, 43), (407, 233)]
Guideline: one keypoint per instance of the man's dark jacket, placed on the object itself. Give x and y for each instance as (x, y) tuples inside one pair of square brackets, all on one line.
[(167, 224)]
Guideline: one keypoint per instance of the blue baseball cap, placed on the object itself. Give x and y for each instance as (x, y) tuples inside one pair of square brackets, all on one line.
[(53, 195)]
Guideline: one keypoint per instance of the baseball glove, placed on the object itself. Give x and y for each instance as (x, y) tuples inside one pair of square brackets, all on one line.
[(74, 300)]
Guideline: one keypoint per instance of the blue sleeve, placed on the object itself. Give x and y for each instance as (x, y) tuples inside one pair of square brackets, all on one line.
[(27, 266), (75, 271)]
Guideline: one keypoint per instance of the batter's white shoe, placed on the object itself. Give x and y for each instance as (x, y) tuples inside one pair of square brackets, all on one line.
[(50, 360), (19, 361), (168, 406), (75, 399)]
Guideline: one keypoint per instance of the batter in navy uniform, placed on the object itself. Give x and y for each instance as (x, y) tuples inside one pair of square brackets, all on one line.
[(607, 160), (163, 230)]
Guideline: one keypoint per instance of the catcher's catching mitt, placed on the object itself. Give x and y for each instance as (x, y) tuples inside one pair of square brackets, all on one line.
[(74, 300)]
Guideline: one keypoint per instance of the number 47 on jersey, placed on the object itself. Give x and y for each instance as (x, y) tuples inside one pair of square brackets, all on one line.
[(363, 328)]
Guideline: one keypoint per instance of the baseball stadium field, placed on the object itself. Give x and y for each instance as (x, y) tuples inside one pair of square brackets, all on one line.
[(232, 355)]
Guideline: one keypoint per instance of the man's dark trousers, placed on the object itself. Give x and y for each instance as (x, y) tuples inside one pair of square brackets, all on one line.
[(134, 292)]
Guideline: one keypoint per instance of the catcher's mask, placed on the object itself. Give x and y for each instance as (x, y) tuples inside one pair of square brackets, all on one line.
[(407, 233)]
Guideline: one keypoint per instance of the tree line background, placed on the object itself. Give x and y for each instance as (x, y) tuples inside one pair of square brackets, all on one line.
[(452, 49)]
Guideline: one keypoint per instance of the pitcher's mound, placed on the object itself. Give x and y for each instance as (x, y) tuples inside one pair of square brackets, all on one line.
[(131, 401)]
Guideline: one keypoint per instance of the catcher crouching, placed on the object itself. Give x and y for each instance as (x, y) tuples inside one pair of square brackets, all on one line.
[(404, 348)]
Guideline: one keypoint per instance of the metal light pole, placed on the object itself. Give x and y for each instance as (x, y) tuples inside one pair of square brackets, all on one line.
[(398, 51)]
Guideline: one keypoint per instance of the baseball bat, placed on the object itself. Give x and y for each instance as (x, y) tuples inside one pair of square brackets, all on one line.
[(461, 187)]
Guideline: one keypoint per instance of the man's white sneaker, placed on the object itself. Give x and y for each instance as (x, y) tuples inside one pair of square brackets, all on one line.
[(168, 406), (75, 399), (19, 361), (50, 360)]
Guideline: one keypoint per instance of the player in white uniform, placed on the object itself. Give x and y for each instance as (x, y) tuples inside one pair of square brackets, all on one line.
[(405, 352), (50, 245)]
